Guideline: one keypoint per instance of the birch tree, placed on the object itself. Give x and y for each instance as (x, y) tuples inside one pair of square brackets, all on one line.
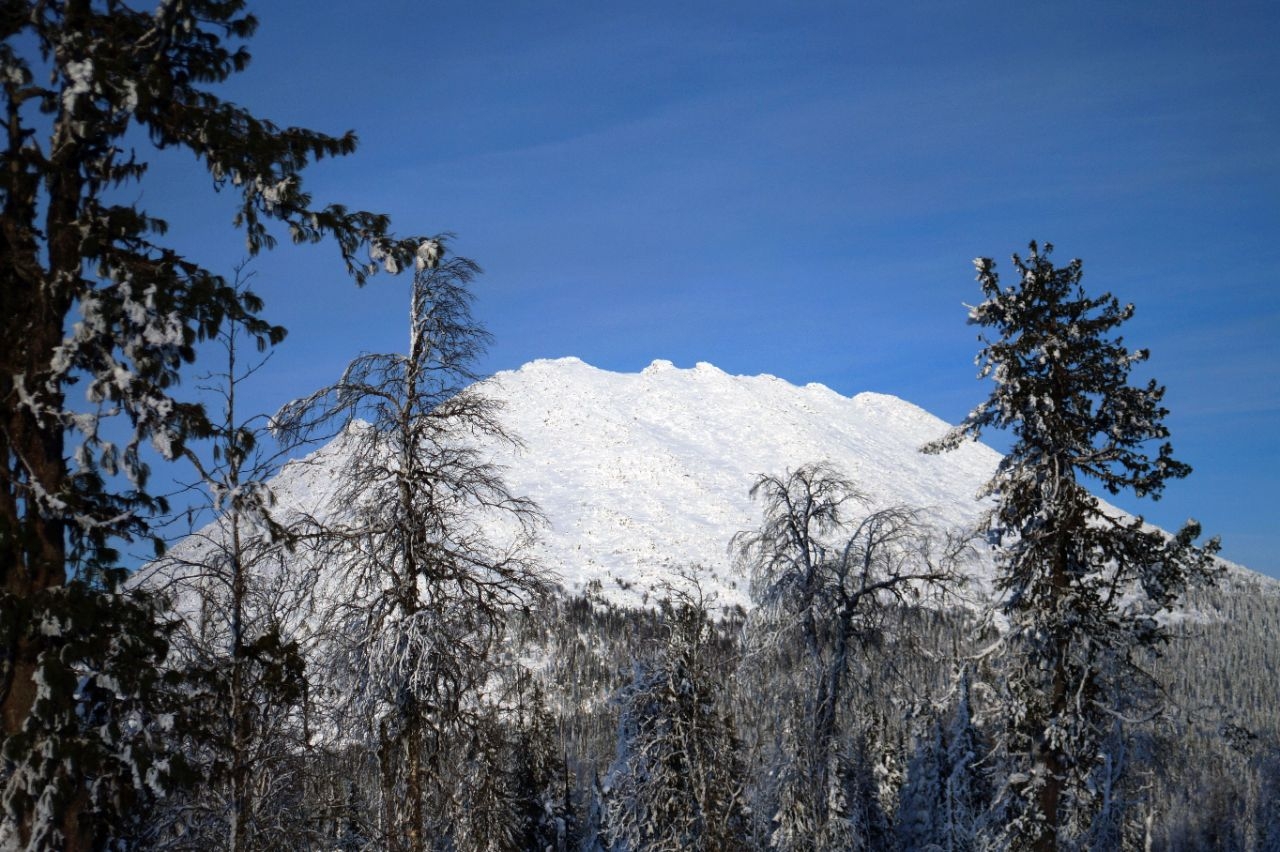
[(239, 597), (823, 581)]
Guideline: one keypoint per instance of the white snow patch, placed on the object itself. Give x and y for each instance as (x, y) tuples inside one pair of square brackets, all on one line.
[(79, 82)]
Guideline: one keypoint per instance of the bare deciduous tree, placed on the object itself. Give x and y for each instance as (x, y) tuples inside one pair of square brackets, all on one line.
[(421, 590), (823, 585), (240, 600)]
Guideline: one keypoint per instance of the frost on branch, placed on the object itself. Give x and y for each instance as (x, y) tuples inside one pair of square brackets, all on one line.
[(99, 319)]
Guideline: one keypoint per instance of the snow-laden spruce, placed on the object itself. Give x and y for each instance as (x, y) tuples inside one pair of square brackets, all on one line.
[(1079, 586)]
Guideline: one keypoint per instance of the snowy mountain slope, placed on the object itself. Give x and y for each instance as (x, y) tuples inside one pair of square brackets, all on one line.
[(643, 474)]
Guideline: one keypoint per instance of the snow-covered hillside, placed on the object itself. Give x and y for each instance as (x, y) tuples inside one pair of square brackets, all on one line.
[(642, 474)]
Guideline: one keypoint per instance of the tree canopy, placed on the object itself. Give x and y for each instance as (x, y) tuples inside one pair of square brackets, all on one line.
[(1081, 584), (92, 296)]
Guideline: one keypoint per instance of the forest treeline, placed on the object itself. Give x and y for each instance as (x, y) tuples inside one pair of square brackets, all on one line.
[(687, 725), (396, 672)]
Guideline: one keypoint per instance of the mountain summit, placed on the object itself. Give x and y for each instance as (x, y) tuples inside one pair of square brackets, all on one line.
[(641, 474)]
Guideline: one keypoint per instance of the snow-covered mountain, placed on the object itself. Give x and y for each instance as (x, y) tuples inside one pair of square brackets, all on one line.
[(643, 474), (640, 473)]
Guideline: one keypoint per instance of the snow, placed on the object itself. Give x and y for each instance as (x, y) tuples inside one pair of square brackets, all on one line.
[(658, 366), (379, 252), (273, 193), (641, 474), (79, 82), (428, 255), (130, 103)]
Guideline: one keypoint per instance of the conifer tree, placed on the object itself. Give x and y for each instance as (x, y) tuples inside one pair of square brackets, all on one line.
[(921, 803), (511, 786), (677, 783), (966, 790), (945, 793), (1080, 586), (539, 773), (91, 296), (490, 816)]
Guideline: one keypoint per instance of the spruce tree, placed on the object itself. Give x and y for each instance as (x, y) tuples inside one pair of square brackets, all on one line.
[(966, 792), (676, 783), (539, 772), (1080, 586), (91, 296), (922, 802)]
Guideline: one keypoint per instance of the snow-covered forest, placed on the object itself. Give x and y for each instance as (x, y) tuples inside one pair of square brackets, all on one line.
[(921, 645)]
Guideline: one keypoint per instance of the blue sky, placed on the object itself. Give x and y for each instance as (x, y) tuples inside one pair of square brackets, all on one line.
[(798, 189)]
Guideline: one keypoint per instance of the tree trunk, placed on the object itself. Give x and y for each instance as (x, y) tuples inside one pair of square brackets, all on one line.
[(1052, 761), (386, 765), (33, 549), (416, 791), (240, 797)]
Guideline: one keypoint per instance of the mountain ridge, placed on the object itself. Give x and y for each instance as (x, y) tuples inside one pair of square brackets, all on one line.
[(661, 462), (641, 475)]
